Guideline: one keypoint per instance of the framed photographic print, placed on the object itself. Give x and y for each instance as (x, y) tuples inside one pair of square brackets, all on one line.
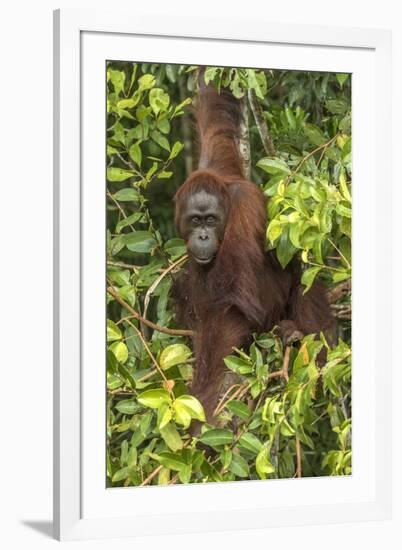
[(208, 368)]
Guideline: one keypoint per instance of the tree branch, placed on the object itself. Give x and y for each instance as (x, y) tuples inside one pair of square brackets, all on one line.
[(311, 153), (153, 474), (185, 123), (261, 123), (298, 458), (158, 280), (123, 265), (109, 194), (244, 141), (136, 315)]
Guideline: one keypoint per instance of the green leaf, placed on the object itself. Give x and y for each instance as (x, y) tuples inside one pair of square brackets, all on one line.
[(342, 78), (160, 140), (127, 195), (119, 174), (239, 466), (341, 276), (209, 74), (344, 187), (171, 72), (274, 166), (117, 78), (239, 408), (163, 125), (308, 277), (164, 476), (257, 81), (285, 249), (127, 292), (151, 171), (185, 473), (111, 150), (182, 414), (113, 381), (172, 461), (158, 100), (315, 134), (175, 247), (139, 241), (164, 175), (343, 209), (286, 429), (265, 341), (346, 226), (174, 355), (132, 457), (216, 437), (127, 406), (178, 109), (113, 331), (226, 458), (145, 82), (250, 442), (263, 465), (171, 437), (120, 351), (130, 220), (177, 147), (192, 405), (127, 103), (154, 398), (294, 234), (238, 365), (274, 230), (164, 415), (121, 474), (290, 117), (135, 153), (124, 452), (337, 106)]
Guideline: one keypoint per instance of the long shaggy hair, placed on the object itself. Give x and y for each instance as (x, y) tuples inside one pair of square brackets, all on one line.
[(244, 289)]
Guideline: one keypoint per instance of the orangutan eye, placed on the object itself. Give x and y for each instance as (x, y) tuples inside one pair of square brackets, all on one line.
[(211, 220), (195, 220)]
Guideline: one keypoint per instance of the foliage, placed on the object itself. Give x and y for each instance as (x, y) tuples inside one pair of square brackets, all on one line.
[(284, 416)]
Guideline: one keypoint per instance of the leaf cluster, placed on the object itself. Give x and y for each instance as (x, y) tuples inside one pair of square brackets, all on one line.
[(282, 411)]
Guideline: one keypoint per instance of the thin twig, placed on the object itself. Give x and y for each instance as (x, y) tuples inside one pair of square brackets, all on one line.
[(261, 123), (185, 124), (285, 368), (284, 372), (298, 458), (275, 374), (123, 264), (173, 480), (153, 474), (225, 395), (158, 280), (136, 315), (119, 207), (159, 468), (311, 153), (151, 355), (237, 393), (340, 253)]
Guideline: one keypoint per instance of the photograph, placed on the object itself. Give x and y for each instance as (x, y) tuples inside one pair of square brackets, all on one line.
[(228, 196)]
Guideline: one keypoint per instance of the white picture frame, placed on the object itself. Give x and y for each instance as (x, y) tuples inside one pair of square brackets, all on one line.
[(83, 507)]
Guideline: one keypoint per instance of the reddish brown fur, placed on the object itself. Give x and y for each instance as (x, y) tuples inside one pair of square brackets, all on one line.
[(245, 289)]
